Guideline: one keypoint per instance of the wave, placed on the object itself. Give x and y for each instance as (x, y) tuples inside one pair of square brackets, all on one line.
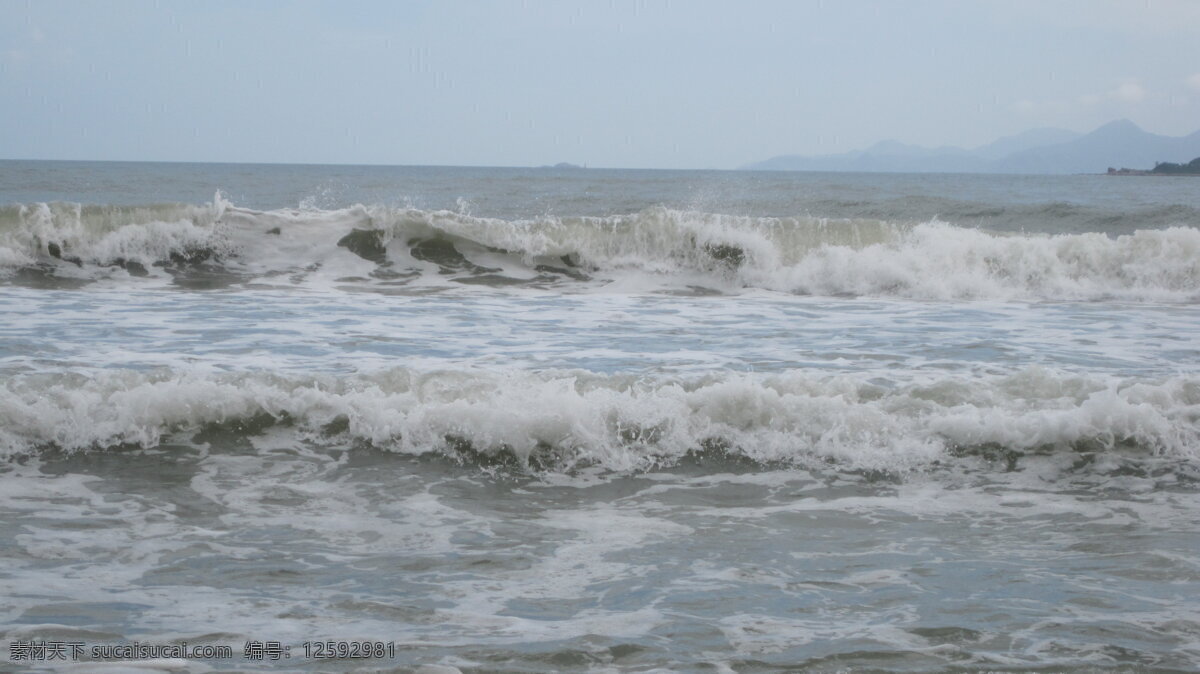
[(560, 420), (109, 235), (658, 248), (1051, 216)]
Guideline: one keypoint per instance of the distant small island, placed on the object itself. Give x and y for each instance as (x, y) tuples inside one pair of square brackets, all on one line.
[(564, 165), (1163, 168)]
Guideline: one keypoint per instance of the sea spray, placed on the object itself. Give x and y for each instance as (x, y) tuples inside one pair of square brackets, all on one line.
[(617, 422), (658, 248)]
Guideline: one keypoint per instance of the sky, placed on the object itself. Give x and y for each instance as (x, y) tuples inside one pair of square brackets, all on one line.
[(606, 83)]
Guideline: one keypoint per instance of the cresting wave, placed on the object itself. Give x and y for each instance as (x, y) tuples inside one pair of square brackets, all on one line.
[(59, 235), (655, 249), (558, 420)]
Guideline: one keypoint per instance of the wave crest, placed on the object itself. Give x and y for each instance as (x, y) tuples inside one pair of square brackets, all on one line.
[(655, 249), (622, 423)]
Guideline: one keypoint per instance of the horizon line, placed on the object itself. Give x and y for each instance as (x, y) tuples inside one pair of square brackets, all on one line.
[(361, 164)]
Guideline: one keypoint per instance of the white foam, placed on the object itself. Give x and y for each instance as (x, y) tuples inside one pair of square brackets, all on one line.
[(619, 422), (652, 249), (106, 235)]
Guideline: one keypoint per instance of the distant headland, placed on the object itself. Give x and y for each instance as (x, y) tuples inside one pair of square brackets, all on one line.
[(1162, 168), (1037, 151)]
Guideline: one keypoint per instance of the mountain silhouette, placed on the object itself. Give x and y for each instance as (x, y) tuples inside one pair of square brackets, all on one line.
[(1120, 143)]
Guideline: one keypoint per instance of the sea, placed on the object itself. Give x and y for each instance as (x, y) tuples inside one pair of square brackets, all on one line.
[(435, 419)]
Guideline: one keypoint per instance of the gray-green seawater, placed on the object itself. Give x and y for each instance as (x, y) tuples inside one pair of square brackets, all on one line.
[(601, 420)]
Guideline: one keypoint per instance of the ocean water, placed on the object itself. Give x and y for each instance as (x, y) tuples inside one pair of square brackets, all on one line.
[(601, 420)]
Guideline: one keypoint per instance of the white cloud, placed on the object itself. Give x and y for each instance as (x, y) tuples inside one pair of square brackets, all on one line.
[(1145, 17), (1025, 107), (1127, 92), (15, 56), (1130, 92), (1194, 82)]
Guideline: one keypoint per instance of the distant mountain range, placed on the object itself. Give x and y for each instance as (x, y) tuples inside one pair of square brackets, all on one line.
[(1116, 144)]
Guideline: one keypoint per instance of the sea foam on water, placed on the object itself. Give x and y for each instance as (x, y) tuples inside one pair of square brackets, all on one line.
[(664, 248)]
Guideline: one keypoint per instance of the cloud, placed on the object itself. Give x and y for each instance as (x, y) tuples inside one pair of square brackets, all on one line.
[(35, 48), (1129, 92), (1025, 107), (1154, 18), (15, 56), (1194, 82)]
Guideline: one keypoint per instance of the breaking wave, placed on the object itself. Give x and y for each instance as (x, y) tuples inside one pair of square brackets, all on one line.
[(565, 419), (656, 249)]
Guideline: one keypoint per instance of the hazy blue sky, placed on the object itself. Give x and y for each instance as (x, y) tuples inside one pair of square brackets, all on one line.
[(629, 83)]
